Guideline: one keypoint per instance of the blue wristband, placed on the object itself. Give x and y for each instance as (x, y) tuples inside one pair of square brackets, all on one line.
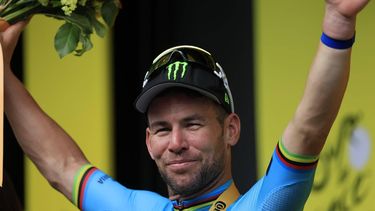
[(337, 44)]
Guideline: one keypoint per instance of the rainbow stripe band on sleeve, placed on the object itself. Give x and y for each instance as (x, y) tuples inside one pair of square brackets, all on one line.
[(80, 180), (295, 161)]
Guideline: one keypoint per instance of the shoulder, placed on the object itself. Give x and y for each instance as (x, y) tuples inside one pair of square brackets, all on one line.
[(99, 191)]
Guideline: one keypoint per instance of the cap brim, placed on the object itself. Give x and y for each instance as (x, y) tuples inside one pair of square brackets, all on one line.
[(145, 98)]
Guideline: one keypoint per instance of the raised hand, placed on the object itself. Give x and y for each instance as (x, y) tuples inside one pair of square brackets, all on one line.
[(9, 39), (347, 8), (340, 18)]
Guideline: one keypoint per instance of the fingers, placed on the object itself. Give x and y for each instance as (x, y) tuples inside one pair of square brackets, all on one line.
[(15, 30), (9, 39), (348, 8), (3, 25)]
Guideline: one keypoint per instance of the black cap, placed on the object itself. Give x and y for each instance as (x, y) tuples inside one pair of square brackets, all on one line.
[(188, 73)]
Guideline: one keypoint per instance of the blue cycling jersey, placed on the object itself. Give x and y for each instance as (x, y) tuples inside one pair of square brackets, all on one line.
[(285, 187)]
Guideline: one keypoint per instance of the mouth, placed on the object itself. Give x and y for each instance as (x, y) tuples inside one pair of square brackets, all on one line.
[(180, 166)]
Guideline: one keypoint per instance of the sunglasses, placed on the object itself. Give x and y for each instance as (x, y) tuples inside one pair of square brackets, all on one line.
[(188, 53), (191, 54)]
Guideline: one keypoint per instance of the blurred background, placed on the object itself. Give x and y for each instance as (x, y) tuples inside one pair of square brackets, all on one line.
[(265, 47)]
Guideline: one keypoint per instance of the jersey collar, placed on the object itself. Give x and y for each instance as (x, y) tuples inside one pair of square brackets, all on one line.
[(201, 201)]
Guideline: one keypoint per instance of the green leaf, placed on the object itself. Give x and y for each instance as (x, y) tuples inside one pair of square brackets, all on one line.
[(109, 12), (16, 12), (81, 21), (99, 27), (86, 45), (66, 39)]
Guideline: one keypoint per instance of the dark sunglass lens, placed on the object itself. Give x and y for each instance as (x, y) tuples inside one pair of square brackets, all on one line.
[(189, 54), (201, 58), (162, 61)]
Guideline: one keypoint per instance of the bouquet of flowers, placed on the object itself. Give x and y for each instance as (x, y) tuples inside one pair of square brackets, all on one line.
[(81, 19)]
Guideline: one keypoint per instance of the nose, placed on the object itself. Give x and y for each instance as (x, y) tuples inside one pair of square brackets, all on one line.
[(178, 142)]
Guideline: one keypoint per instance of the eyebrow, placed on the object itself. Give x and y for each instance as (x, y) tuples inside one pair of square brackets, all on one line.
[(193, 117), (184, 120), (158, 123)]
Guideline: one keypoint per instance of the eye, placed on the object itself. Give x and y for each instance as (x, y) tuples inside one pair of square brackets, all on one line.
[(161, 131), (194, 125)]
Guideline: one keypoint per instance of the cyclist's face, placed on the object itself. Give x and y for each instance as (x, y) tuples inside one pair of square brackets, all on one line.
[(188, 143)]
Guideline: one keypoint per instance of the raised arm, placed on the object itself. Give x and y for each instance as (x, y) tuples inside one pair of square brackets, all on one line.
[(307, 131), (50, 148)]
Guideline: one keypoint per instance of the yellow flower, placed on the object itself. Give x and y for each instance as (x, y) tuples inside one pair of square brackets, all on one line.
[(68, 6)]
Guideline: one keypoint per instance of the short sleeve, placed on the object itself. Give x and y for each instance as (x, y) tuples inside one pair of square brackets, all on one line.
[(285, 186), (95, 190)]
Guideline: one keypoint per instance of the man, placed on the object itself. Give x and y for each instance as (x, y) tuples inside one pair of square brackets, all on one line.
[(191, 128)]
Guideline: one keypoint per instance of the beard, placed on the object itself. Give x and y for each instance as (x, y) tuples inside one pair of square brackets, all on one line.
[(198, 180)]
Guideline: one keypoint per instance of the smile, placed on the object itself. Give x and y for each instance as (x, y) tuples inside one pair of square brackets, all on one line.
[(180, 165)]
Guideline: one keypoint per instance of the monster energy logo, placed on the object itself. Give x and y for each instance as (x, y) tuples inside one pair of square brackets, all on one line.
[(175, 68), (226, 98)]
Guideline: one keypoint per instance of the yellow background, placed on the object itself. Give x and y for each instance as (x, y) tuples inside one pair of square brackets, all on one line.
[(76, 92), (286, 38)]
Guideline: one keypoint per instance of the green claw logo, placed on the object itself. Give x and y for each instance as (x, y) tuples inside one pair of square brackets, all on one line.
[(175, 69), (226, 98)]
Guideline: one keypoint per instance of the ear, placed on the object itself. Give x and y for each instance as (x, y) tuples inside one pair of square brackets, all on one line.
[(232, 129), (148, 143)]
